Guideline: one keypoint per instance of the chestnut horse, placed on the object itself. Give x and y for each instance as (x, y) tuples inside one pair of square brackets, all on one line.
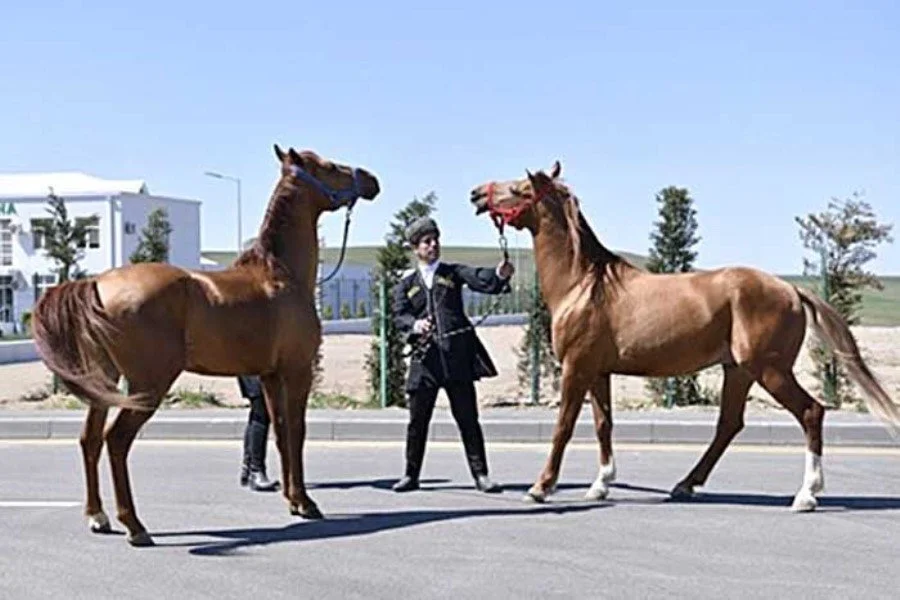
[(609, 316), (150, 322)]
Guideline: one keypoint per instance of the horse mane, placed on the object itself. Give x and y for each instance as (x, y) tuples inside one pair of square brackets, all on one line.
[(588, 252), (267, 248)]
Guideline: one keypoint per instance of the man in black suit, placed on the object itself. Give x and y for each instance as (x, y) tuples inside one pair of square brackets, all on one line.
[(428, 310)]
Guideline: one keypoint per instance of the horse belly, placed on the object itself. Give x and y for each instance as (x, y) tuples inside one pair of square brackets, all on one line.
[(229, 345)]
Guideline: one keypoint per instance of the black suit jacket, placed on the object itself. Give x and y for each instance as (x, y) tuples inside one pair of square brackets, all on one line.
[(460, 357)]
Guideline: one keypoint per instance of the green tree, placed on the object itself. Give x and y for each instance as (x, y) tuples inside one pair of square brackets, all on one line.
[(62, 237), (537, 333), (153, 245), (843, 238), (672, 251), (392, 259)]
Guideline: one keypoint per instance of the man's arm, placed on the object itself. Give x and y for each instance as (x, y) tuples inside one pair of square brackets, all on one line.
[(483, 279), (402, 310)]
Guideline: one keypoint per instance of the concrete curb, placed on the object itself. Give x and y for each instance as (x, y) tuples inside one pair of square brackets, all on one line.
[(167, 426)]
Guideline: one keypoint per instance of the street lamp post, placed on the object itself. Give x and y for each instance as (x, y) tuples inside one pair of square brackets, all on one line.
[(237, 180)]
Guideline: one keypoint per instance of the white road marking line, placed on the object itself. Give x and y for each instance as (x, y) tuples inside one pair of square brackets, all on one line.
[(38, 504), (520, 446)]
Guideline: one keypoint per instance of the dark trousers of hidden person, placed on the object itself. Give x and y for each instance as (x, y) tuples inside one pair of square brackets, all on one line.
[(256, 437)]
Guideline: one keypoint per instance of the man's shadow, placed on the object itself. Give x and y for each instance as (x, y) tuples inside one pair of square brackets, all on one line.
[(231, 541)]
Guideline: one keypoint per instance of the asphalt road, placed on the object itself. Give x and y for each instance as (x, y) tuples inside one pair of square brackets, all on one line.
[(215, 539)]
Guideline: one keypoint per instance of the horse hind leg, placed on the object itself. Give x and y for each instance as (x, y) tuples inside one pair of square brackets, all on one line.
[(783, 386), (91, 446), (119, 439), (736, 385), (601, 405), (91, 442)]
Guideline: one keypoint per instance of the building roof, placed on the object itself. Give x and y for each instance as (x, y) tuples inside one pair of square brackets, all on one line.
[(30, 185)]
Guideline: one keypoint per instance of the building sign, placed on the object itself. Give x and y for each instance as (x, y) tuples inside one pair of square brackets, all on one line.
[(8, 208)]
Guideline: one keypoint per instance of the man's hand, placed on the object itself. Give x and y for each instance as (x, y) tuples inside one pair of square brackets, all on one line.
[(505, 270), (422, 326)]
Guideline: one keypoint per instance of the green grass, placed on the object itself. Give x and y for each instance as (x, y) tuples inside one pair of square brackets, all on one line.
[(881, 308), (320, 400), (199, 398)]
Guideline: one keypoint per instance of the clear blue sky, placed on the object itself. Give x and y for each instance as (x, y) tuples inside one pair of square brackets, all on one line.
[(763, 112)]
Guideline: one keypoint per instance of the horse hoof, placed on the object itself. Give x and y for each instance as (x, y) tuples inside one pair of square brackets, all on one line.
[(99, 523), (533, 497), (682, 491), (141, 540), (804, 502), (597, 493), (311, 512)]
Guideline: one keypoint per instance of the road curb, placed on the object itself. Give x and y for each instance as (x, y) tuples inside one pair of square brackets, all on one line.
[(647, 431)]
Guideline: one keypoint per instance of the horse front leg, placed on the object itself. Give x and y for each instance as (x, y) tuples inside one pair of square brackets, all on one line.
[(573, 392), (298, 384), (601, 403), (273, 391)]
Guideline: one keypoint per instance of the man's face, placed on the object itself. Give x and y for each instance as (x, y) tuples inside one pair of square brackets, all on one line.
[(429, 248)]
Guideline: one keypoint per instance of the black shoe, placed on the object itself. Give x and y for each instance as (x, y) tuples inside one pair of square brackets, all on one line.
[(245, 475), (258, 482), (406, 484), (484, 484)]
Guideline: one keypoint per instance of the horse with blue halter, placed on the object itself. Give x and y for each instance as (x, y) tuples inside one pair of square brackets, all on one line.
[(150, 322)]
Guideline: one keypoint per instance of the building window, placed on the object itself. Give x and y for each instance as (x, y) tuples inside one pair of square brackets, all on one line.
[(39, 229), (91, 232), (6, 238), (6, 299), (42, 283)]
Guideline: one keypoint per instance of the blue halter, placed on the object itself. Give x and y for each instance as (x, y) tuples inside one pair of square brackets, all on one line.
[(347, 197)]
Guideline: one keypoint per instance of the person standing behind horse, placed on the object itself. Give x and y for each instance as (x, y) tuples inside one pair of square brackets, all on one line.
[(428, 310), (256, 437)]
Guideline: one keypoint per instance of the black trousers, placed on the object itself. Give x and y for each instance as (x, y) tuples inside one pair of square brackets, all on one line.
[(258, 412), (463, 406)]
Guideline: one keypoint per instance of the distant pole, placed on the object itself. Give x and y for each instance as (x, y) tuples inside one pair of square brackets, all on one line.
[(535, 342), (829, 385), (383, 350), (236, 180)]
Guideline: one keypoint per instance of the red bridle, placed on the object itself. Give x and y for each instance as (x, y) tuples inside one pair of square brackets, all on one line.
[(502, 215)]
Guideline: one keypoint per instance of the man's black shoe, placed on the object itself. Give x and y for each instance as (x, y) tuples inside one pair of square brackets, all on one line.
[(484, 484), (406, 484)]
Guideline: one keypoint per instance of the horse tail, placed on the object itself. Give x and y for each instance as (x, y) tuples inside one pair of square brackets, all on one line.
[(831, 327), (71, 332)]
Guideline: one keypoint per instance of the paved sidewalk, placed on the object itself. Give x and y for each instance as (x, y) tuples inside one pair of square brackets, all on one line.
[(500, 425)]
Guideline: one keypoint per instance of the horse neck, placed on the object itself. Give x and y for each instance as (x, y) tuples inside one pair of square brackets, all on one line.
[(301, 246), (559, 269), (289, 235)]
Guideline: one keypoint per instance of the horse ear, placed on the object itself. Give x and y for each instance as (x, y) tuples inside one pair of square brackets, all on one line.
[(279, 152), (555, 170), (294, 156), (530, 176)]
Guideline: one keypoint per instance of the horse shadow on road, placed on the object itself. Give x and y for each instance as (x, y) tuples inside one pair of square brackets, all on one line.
[(230, 541), (826, 502)]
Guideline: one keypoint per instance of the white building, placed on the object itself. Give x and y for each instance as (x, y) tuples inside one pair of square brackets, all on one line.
[(115, 211)]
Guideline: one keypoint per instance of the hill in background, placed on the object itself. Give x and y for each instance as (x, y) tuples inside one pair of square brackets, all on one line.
[(880, 308)]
